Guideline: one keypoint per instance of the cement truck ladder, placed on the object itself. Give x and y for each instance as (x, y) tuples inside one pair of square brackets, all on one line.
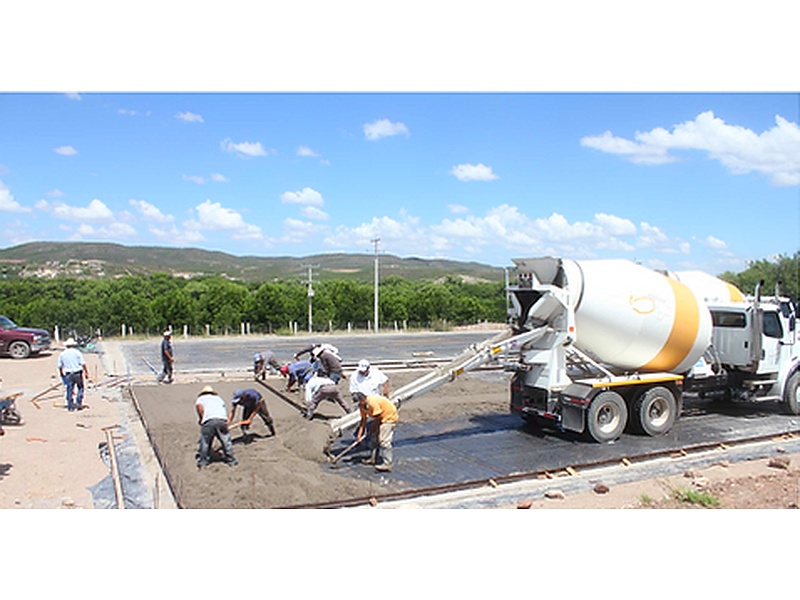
[(473, 357)]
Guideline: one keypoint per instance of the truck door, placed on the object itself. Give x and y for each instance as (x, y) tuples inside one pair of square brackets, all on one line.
[(771, 342)]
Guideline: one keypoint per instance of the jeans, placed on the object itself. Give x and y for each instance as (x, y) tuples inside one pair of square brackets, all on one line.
[(214, 428), (166, 372), (73, 380)]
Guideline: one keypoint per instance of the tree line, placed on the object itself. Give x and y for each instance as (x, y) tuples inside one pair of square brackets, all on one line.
[(217, 305)]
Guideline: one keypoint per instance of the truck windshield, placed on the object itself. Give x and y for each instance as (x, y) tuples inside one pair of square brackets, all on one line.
[(6, 323)]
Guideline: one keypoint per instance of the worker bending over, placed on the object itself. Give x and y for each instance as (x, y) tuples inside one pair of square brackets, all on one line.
[(211, 415), (252, 403), (381, 430), (321, 388)]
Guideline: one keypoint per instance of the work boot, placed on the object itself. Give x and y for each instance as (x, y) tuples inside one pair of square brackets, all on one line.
[(271, 429), (373, 459), (384, 467)]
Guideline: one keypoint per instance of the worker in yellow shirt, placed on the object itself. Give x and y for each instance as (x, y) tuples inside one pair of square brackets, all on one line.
[(381, 430)]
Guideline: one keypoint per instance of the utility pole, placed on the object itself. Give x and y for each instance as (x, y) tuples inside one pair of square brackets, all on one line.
[(310, 282), (376, 241)]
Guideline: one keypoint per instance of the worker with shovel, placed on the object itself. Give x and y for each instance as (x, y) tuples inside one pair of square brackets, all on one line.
[(381, 430), (252, 403)]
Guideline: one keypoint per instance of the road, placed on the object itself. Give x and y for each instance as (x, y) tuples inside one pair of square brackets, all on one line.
[(235, 353)]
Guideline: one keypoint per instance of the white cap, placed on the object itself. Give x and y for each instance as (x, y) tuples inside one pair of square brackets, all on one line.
[(166, 333), (363, 365), (70, 342)]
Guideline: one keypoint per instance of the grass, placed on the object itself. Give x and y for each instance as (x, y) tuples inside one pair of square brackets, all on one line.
[(703, 499)]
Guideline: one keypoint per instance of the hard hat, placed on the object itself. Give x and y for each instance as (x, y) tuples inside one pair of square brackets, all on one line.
[(285, 369)]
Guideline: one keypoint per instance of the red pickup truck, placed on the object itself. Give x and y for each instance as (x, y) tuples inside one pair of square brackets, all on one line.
[(21, 342)]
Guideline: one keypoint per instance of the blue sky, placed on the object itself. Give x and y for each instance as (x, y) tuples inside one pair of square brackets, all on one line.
[(672, 180), (331, 143)]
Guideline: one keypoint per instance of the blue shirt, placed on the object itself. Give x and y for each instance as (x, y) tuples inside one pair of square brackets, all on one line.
[(70, 361)]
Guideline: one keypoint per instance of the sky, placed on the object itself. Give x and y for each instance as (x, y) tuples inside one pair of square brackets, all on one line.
[(484, 172)]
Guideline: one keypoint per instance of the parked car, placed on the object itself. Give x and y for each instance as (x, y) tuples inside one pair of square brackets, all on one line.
[(22, 342)]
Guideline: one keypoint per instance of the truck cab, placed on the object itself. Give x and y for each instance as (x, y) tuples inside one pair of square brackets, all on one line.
[(21, 342)]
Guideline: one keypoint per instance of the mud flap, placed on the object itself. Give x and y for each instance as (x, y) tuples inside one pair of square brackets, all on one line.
[(572, 418)]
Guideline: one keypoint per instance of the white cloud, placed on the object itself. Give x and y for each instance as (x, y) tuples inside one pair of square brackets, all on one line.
[(775, 152), (306, 196), (111, 231), (615, 225), (297, 232), (73, 95), (212, 216), (55, 193), (504, 227), (127, 112), (457, 209), (468, 172), (66, 151), (312, 212), (178, 237), (150, 212), (714, 243), (95, 211), (244, 148), (306, 151), (7, 202), (189, 117), (652, 237), (384, 128), (194, 179), (219, 178)]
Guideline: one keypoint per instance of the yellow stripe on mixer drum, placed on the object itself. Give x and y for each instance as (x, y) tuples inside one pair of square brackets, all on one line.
[(685, 327)]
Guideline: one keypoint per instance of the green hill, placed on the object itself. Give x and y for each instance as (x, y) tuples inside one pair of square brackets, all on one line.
[(99, 260)]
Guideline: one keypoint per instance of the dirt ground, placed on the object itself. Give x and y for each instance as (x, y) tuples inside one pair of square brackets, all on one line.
[(53, 460)]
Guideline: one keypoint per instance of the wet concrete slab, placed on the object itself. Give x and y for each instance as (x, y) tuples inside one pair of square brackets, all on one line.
[(480, 448)]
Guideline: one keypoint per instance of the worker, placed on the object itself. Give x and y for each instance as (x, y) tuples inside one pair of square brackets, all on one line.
[(263, 362), (309, 350), (213, 421), (381, 430), (167, 358), (328, 363), (370, 380), (299, 372), (72, 369), (252, 403), (321, 388)]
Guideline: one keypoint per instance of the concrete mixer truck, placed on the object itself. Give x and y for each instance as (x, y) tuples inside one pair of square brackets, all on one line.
[(621, 343), (599, 346)]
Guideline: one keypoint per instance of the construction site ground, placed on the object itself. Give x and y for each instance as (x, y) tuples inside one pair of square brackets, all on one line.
[(54, 467), (56, 458)]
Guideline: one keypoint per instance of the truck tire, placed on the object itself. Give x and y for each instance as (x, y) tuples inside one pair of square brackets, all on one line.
[(791, 394), (19, 349), (655, 411), (606, 417)]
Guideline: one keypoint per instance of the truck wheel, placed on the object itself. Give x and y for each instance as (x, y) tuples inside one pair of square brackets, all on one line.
[(607, 416), (791, 395), (19, 349), (656, 410)]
